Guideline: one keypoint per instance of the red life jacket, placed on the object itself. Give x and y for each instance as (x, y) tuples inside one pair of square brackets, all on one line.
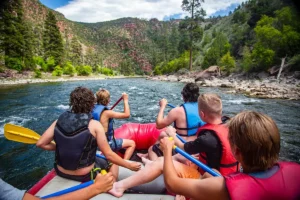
[(228, 164), (284, 184)]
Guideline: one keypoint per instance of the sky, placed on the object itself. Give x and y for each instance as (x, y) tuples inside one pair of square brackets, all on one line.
[(105, 10)]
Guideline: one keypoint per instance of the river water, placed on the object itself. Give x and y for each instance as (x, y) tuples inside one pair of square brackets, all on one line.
[(36, 106)]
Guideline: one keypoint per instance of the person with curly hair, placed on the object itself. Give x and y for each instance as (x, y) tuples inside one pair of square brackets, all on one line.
[(186, 118), (77, 136)]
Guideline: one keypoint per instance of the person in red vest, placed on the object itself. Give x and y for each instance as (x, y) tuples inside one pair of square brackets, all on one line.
[(255, 143), (212, 142), (212, 139)]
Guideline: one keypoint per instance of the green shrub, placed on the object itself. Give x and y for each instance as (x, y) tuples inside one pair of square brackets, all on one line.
[(247, 61), (37, 73), (69, 69), (14, 63), (58, 71), (50, 64), (173, 65), (40, 62), (106, 71), (227, 63), (157, 71), (262, 57), (84, 70)]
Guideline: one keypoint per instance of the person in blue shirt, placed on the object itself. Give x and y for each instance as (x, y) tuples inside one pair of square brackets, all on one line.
[(106, 117), (186, 118)]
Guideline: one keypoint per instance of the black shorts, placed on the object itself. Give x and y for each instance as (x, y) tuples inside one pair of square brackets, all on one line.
[(100, 163), (159, 153)]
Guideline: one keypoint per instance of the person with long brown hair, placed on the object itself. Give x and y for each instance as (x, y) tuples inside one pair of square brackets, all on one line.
[(255, 143)]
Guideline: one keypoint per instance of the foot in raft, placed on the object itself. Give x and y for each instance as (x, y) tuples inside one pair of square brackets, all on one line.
[(180, 197), (117, 190), (146, 161), (142, 155)]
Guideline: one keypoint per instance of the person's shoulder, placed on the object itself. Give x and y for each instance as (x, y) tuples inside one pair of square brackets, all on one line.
[(177, 110), (94, 123)]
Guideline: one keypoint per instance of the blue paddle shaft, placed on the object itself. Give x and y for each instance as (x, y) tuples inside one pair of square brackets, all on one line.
[(68, 190), (197, 162), (180, 138), (100, 156), (170, 105)]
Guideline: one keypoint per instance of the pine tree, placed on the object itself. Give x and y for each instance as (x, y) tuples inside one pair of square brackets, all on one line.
[(52, 40), (75, 52), (192, 23), (16, 36)]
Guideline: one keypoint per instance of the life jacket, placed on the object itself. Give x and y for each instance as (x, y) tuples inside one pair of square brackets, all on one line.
[(75, 145), (228, 164), (97, 111), (193, 120), (283, 184)]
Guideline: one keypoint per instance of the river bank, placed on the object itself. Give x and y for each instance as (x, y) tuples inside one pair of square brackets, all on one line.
[(267, 87), (28, 78)]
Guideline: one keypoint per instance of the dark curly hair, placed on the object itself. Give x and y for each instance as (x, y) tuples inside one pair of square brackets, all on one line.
[(190, 92), (82, 100)]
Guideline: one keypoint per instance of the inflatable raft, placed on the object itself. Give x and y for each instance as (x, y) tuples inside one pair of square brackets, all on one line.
[(144, 135)]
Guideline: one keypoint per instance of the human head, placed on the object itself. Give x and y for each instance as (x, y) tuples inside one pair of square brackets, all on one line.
[(210, 106), (255, 140), (82, 100), (103, 97), (190, 92)]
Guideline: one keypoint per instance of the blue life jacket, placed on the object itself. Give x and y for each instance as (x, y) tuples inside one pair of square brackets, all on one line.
[(75, 145), (193, 120), (97, 111)]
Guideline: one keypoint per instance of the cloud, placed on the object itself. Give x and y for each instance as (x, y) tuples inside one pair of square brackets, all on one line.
[(224, 12), (105, 10)]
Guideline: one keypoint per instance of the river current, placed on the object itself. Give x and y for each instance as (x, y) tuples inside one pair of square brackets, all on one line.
[(36, 106)]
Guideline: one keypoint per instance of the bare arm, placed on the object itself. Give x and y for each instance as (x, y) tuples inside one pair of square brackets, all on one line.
[(210, 188), (45, 141), (161, 121), (119, 115), (106, 150)]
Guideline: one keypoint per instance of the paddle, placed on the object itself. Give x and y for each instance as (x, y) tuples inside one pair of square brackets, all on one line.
[(24, 135), (116, 103), (72, 189), (195, 161)]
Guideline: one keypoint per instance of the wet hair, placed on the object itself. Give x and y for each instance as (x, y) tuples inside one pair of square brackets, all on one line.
[(190, 92), (82, 100), (210, 104), (102, 97), (257, 137)]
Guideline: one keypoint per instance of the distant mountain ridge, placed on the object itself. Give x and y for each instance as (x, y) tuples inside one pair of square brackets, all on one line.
[(123, 40)]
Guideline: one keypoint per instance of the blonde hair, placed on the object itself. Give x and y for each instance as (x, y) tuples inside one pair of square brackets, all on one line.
[(102, 96), (210, 104), (257, 137)]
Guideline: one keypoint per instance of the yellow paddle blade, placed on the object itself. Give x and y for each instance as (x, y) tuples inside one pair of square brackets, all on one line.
[(20, 134)]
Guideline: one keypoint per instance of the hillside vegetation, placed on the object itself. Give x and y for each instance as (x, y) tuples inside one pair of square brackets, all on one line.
[(255, 37)]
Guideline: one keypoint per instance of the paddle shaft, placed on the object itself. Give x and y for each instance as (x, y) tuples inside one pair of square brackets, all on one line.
[(72, 189), (197, 162), (116, 103)]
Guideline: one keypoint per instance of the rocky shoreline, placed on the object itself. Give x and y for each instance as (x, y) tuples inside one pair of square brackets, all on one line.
[(267, 87), (27, 78)]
